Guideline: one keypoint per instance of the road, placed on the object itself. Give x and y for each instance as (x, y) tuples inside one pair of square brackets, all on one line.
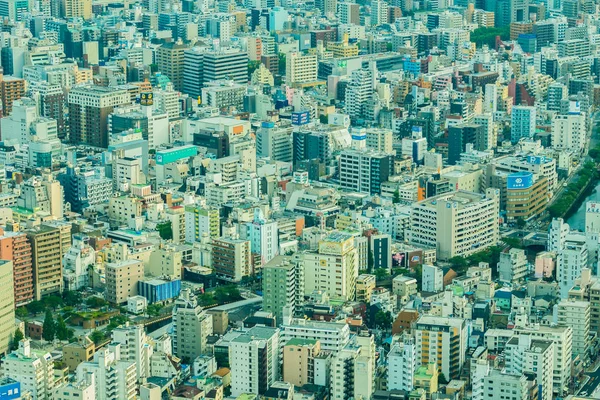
[(591, 385)]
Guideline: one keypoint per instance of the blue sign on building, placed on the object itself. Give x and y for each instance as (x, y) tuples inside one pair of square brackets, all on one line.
[(519, 180), (300, 118), (158, 290), (10, 389)]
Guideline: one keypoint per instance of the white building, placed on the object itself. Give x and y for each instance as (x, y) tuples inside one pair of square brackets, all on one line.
[(81, 390), (526, 355), (263, 236), (353, 369), (557, 234), (570, 261), (191, 327), (434, 223), (506, 386), (432, 278), (76, 262), (569, 132), (402, 364), (254, 360), (332, 335), (576, 314), (35, 371), (300, 68), (512, 267), (136, 346), (114, 378)]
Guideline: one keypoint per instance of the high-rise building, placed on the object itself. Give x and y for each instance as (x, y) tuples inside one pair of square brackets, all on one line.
[(52, 103), (193, 77), (379, 12), (300, 68), (47, 254), (263, 235), (32, 369), (282, 287), (359, 92), (349, 13), (562, 336), (333, 336), (76, 8), (353, 369), (365, 171), (15, 246), (380, 140), (191, 327), (402, 364), (576, 314), (135, 346), (334, 268), (254, 360), (231, 258), (114, 378), (458, 138), (432, 278), (85, 188), (170, 61), (14, 10), (89, 108), (569, 132), (122, 280), (12, 89), (433, 222), (7, 305), (327, 7), (76, 262), (570, 260), (225, 65), (532, 356), (522, 123), (442, 341), (274, 142)]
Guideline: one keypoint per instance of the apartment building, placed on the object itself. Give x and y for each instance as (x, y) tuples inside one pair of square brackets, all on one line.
[(122, 280)]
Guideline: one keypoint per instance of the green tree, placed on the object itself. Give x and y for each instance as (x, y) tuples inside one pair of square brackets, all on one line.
[(396, 198), (18, 336), (21, 313), (282, 61), (252, 66), (458, 263), (62, 332), (165, 230), (153, 310), (513, 242), (97, 337), (53, 302), (49, 327), (383, 319), (442, 378), (71, 298), (521, 223), (36, 307), (95, 302)]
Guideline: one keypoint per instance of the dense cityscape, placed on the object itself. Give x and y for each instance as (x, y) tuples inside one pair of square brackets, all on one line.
[(321, 200)]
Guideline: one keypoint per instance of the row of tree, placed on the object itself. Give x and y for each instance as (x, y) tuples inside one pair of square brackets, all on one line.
[(55, 329)]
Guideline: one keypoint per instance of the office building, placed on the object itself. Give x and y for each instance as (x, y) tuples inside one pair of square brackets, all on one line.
[(231, 258), (193, 76), (458, 138), (12, 89), (509, 386), (85, 188), (254, 360), (225, 65), (169, 59), (76, 263), (333, 336), (526, 196), (348, 13), (434, 221), (7, 305), (191, 327), (274, 142), (380, 140), (89, 108), (122, 280), (432, 278), (76, 9), (223, 94), (47, 254), (522, 125), (570, 260), (365, 171)]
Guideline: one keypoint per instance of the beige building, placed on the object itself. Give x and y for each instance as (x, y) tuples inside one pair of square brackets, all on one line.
[(165, 261), (456, 224), (299, 361), (122, 209), (334, 268), (300, 68), (380, 140), (177, 217), (7, 305), (576, 314), (231, 258), (76, 8), (365, 284), (78, 352), (169, 58), (122, 280), (191, 327), (47, 253)]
